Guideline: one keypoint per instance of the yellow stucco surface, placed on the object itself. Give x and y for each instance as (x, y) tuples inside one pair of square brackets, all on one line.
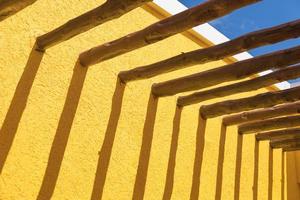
[(59, 133)]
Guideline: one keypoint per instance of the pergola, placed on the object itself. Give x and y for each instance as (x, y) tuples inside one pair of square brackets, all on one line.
[(272, 116)]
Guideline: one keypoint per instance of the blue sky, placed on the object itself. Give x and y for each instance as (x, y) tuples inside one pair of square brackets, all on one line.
[(264, 14)]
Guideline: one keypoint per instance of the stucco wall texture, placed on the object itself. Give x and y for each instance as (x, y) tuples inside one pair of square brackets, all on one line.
[(60, 121)]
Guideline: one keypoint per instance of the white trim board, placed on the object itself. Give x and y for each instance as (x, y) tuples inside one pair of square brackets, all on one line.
[(210, 33)]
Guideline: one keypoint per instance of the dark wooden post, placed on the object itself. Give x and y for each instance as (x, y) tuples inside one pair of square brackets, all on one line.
[(264, 113), (249, 103), (281, 134), (285, 74), (111, 9), (270, 124), (180, 22), (11, 7), (249, 41), (232, 72)]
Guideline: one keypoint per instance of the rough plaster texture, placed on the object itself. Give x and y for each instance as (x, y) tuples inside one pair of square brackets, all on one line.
[(24, 169)]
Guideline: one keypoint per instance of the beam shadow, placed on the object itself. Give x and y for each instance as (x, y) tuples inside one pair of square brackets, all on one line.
[(106, 149), (141, 176), (172, 155), (255, 174), (18, 104), (270, 189), (219, 179), (282, 175), (62, 133), (238, 166), (200, 142)]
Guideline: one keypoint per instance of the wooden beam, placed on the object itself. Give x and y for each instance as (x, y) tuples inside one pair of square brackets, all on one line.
[(235, 71), (110, 10), (281, 134), (249, 41), (288, 73), (270, 124), (180, 22), (264, 100), (288, 149), (265, 113), (11, 7), (285, 74), (285, 143)]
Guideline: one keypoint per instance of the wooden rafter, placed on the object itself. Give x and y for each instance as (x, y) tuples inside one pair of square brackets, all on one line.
[(11, 7), (261, 114), (264, 100), (235, 71), (281, 134), (288, 149), (111, 9), (183, 21), (285, 74), (217, 52), (285, 143), (270, 124)]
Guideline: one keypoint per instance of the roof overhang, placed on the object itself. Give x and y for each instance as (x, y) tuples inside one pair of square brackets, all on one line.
[(204, 35)]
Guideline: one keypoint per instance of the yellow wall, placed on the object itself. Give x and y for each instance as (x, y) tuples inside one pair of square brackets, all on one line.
[(292, 176), (53, 126)]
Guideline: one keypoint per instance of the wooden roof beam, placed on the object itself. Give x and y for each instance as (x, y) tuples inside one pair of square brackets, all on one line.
[(249, 41), (264, 100), (264, 113), (110, 10), (281, 134), (270, 124), (11, 7), (285, 143), (232, 72), (285, 74), (288, 149), (180, 22)]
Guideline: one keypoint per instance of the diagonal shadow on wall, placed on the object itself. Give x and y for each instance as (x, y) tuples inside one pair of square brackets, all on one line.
[(172, 155), (62, 132), (282, 175), (200, 142), (18, 104), (238, 166), (141, 176), (106, 149), (255, 174), (270, 187), (219, 179)]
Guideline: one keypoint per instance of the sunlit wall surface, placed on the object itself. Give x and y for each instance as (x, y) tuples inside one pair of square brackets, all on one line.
[(76, 133)]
